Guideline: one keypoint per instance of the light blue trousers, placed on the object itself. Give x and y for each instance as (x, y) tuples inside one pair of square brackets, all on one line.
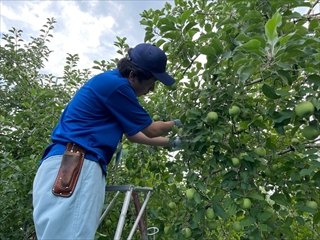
[(75, 217)]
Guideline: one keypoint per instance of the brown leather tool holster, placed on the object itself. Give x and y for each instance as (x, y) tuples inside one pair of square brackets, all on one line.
[(70, 168)]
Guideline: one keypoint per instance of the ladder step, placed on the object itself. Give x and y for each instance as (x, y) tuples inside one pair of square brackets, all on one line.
[(125, 188)]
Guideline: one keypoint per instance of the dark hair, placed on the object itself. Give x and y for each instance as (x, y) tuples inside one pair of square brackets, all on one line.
[(125, 67)]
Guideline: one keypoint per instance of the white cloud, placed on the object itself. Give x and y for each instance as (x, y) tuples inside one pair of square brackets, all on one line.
[(77, 32), (30, 14), (87, 28)]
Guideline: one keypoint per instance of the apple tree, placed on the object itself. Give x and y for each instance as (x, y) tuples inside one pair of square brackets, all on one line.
[(247, 93), (31, 103)]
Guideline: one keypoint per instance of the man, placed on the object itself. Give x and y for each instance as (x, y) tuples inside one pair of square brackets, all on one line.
[(69, 187)]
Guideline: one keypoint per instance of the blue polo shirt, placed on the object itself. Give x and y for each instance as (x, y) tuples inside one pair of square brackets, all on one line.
[(102, 110)]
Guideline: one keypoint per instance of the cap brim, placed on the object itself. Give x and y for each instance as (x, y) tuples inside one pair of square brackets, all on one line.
[(165, 78)]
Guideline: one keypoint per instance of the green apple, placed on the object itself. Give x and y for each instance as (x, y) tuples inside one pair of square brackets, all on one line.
[(304, 109), (259, 117), (234, 111), (294, 141), (180, 131), (210, 213), (310, 132), (269, 209), (186, 232), (312, 204), (236, 226), (172, 205), (260, 151), (242, 155), (190, 192), (108, 222), (166, 230), (213, 225), (268, 172), (235, 162), (212, 117), (274, 167), (246, 203), (173, 87), (156, 117)]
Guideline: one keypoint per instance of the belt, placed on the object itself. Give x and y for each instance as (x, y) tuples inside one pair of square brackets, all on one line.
[(72, 147)]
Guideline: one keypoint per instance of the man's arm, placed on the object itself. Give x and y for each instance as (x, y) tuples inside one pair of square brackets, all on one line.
[(159, 128), (141, 138)]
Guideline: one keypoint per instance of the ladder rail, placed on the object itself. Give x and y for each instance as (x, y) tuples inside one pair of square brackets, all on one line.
[(108, 208), (139, 217), (129, 191), (123, 214)]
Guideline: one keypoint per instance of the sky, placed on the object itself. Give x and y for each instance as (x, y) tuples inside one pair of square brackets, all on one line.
[(88, 27), (85, 27)]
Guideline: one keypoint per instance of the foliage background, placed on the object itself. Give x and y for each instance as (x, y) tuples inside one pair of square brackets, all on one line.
[(262, 56)]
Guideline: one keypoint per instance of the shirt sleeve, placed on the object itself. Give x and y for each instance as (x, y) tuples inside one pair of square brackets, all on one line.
[(124, 105)]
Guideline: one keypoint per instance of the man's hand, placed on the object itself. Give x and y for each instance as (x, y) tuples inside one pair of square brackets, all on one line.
[(178, 143), (178, 123)]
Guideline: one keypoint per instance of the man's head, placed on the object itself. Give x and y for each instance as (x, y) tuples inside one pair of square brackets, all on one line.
[(152, 59), (146, 61)]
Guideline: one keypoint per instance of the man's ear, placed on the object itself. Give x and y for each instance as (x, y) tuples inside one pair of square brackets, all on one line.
[(131, 77)]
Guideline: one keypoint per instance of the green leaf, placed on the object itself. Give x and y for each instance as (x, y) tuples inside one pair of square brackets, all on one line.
[(197, 197), (300, 220), (188, 27), (245, 72), (171, 35), (201, 186), (279, 199), (315, 79), (254, 14), (288, 232), (256, 196), (206, 36), (265, 228), (167, 28), (271, 27), (233, 209), (283, 115), (33, 91), (305, 172), (269, 92), (265, 216), (285, 76), (185, 15), (242, 38), (217, 45), (316, 175), (316, 218), (219, 210), (314, 23), (249, 220), (284, 39), (207, 50), (253, 46), (295, 176), (306, 209)]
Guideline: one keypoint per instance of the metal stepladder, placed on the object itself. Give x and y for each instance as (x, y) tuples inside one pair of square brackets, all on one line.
[(129, 191), (141, 221)]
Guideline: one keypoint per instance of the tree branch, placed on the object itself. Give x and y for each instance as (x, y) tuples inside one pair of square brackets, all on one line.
[(313, 6), (254, 82), (292, 148), (313, 15), (190, 64)]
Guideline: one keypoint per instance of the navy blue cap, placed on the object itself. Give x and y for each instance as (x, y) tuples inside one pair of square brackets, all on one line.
[(151, 58)]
